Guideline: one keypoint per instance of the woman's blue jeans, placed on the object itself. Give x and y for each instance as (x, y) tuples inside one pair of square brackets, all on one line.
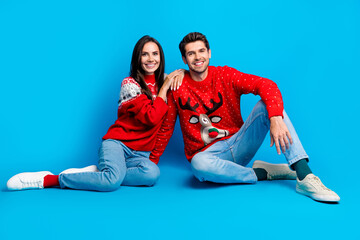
[(225, 161), (118, 165)]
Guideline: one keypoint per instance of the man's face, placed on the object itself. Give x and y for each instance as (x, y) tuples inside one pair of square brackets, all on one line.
[(197, 56)]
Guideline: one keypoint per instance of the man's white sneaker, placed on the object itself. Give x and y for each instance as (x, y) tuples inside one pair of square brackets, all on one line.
[(27, 180), (312, 187), (276, 171), (92, 168)]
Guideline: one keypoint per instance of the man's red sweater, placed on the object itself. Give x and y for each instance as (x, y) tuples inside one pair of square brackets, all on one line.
[(139, 118), (209, 110)]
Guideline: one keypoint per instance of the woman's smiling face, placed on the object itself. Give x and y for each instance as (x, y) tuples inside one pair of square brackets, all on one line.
[(150, 58)]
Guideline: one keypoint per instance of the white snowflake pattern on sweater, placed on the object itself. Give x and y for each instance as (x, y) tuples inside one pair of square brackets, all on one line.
[(130, 89)]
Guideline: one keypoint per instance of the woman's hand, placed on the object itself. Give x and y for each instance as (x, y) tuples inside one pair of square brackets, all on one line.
[(178, 79), (172, 80)]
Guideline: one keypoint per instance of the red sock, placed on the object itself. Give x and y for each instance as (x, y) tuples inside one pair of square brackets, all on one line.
[(51, 181)]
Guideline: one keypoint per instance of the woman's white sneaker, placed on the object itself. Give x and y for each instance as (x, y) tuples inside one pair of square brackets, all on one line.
[(312, 187), (27, 180)]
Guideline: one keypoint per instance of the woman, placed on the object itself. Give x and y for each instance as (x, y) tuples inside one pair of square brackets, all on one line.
[(124, 152)]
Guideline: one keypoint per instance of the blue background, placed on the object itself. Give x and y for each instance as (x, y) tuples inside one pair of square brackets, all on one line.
[(61, 66)]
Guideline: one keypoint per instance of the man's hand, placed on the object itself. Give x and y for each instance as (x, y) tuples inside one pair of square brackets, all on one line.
[(279, 134)]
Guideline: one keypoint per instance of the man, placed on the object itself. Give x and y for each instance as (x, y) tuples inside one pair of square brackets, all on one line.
[(218, 143)]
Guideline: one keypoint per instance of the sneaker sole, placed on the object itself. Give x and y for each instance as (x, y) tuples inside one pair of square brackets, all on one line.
[(316, 197)]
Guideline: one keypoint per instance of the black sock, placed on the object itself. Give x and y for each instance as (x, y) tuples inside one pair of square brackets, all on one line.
[(302, 169), (261, 173)]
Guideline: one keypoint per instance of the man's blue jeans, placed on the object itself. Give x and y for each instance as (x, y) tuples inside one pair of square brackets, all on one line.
[(118, 165), (225, 161)]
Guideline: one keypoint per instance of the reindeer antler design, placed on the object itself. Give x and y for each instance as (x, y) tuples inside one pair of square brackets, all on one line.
[(188, 105), (208, 132), (216, 105)]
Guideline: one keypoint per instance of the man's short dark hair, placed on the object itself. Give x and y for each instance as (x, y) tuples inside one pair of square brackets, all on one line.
[(192, 37)]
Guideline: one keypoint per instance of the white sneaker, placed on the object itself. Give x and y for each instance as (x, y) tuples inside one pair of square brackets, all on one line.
[(27, 180), (312, 187), (276, 171), (92, 168)]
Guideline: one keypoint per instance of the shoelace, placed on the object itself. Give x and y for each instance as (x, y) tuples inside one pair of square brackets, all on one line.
[(31, 182), (318, 183)]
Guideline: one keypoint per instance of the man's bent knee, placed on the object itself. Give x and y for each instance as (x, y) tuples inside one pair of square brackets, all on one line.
[(200, 167), (260, 106)]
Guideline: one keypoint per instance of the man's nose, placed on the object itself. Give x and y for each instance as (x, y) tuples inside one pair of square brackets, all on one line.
[(197, 56)]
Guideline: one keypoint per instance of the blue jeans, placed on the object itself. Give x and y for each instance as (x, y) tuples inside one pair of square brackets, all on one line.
[(118, 165), (225, 161)]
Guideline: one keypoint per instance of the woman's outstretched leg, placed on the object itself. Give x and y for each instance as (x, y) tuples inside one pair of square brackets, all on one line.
[(111, 172)]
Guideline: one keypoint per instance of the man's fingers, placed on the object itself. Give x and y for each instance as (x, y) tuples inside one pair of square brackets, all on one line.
[(282, 144), (289, 137), (277, 146), (286, 141)]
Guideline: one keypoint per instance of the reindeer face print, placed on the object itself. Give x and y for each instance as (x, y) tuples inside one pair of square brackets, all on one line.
[(208, 132)]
